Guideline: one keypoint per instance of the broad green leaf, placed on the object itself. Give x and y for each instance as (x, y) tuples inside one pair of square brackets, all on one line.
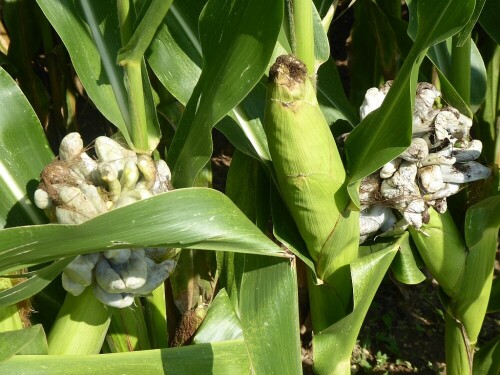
[(487, 130), (386, 132), (489, 19), (209, 221), (221, 323), (331, 97), (248, 188), (24, 152), (265, 291), (34, 284), (333, 345), (442, 247), (487, 359), (90, 32), (228, 357), (321, 44), (236, 50), (464, 34), (175, 57), (440, 55), (269, 315), (405, 266), (482, 223), (24, 341)]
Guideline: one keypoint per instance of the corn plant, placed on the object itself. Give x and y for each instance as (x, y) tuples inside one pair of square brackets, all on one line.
[(127, 254)]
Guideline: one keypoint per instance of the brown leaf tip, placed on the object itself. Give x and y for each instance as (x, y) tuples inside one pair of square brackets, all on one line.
[(288, 71)]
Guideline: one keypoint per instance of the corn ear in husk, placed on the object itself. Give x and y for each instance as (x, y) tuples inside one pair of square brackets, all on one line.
[(464, 270), (308, 166)]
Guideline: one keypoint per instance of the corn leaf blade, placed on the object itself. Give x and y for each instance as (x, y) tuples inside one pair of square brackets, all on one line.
[(238, 43), (228, 357), (24, 341), (209, 221), (367, 274), (23, 154), (95, 63)]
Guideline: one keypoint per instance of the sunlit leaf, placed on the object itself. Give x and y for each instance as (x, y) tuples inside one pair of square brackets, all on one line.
[(238, 49), (209, 221), (24, 341), (228, 357), (23, 154)]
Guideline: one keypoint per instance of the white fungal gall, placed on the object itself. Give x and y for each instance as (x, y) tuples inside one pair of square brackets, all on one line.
[(80, 270), (118, 300), (447, 190), (107, 278), (134, 272), (404, 178), (157, 274), (418, 150), (73, 198), (130, 176), (71, 286), (117, 256), (431, 178), (425, 98), (372, 219), (163, 177), (110, 151), (71, 146), (464, 172), (42, 199), (389, 168), (437, 159), (373, 100), (470, 152), (413, 212)]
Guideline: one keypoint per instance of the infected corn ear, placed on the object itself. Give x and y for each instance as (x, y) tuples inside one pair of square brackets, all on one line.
[(441, 156), (76, 188), (305, 157)]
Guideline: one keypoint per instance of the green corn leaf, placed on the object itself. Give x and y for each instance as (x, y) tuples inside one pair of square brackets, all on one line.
[(209, 221), (262, 289), (405, 265), (228, 357), (23, 155), (33, 284), (440, 55), (89, 30), (466, 31), (221, 323), (367, 273), (481, 233), (24, 341), (269, 314), (235, 43), (88, 321), (487, 359), (443, 250)]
